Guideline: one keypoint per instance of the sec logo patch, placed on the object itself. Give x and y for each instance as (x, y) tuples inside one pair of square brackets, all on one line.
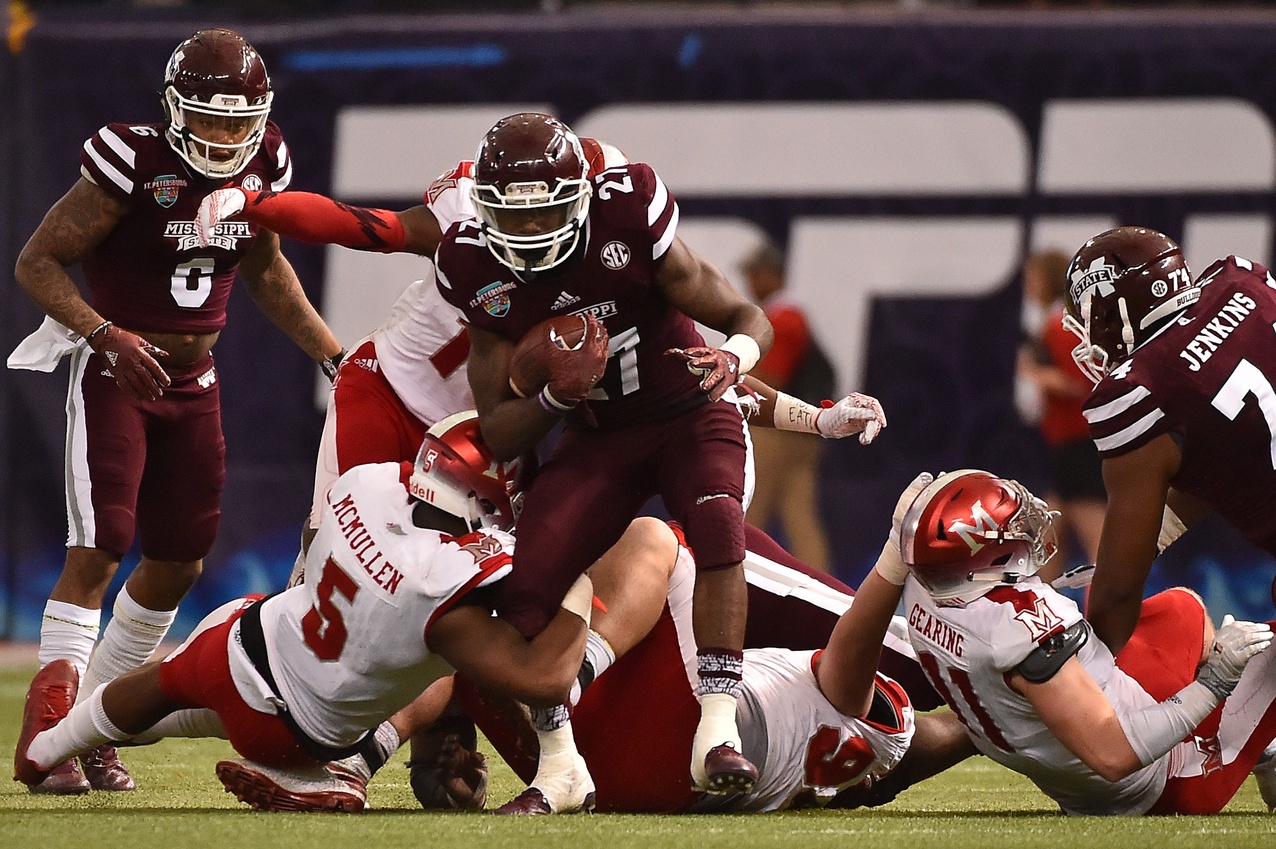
[(615, 255)]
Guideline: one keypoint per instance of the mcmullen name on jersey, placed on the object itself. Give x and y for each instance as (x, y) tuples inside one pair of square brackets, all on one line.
[(227, 234), (363, 546), (1217, 329), (936, 630)]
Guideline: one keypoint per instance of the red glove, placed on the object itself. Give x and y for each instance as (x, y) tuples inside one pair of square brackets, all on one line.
[(574, 372), (721, 369), (132, 364)]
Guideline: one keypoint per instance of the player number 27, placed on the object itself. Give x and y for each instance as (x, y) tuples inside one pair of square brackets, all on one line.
[(1247, 380), (323, 627)]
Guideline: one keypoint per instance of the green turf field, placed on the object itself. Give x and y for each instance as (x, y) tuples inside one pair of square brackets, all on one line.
[(180, 803)]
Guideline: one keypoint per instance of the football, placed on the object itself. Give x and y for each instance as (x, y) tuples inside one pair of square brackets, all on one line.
[(533, 357)]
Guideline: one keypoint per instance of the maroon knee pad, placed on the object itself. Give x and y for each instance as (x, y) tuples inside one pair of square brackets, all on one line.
[(714, 527)]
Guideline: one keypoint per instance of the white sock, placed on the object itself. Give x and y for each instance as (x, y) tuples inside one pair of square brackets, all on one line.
[(130, 639), (194, 722), (85, 727), (68, 632), (717, 727), (558, 751)]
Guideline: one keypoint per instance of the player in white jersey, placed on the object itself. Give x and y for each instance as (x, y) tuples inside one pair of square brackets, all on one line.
[(1041, 695), (396, 598)]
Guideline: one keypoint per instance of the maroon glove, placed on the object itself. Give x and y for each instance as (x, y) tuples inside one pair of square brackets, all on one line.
[(447, 772), (131, 361), (574, 371), (721, 369)]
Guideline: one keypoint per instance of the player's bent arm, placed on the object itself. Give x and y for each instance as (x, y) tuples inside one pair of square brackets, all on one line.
[(511, 425), (1079, 714), (1137, 484), (77, 223), (1182, 511), (847, 667), (699, 290), (492, 654), (275, 289)]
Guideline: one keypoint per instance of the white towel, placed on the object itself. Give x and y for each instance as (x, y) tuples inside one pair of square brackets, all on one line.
[(44, 349)]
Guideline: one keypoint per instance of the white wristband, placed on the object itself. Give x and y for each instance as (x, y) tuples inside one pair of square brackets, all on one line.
[(891, 566), (580, 598), (1172, 528), (746, 350), (1155, 730), (794, 414)]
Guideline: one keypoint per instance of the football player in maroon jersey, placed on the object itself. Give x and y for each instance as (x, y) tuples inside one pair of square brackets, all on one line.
[(1183, 413), (549, 240), (145, 452)]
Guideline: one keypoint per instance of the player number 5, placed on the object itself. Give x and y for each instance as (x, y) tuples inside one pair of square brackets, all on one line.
[(323, 626)]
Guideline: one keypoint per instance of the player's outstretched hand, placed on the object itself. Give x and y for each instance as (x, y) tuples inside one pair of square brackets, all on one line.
[(856, 413), (216, 208), (132, 361), (1235, 644), (719, 370)]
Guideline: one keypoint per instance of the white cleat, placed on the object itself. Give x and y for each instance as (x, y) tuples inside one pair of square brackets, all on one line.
[(309, 789)]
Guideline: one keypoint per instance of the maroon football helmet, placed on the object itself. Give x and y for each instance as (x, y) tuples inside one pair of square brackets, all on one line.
[(968, 531), (1123, 286), (216, 98), (531, 191), (456, 473)]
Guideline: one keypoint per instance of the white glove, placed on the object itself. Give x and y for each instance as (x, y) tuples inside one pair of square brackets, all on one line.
[(906, 500), (1235, 644), (217, 207), (853, 414), (1076, 578)]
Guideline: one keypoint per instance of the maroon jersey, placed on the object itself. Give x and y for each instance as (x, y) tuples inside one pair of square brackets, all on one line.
[(1207, 380), (150, 273), (631, 224)]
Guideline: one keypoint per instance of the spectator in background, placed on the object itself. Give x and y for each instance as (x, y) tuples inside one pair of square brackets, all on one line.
[(1054, 387), (788, 462)]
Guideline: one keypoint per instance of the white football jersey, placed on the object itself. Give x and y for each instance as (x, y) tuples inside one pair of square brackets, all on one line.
[(810, 746), (348, 646), (783, 709), (967, 652)]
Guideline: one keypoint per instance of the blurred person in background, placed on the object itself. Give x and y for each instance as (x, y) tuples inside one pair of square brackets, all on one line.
[(144, 452), (787, 462), (1050, 388)]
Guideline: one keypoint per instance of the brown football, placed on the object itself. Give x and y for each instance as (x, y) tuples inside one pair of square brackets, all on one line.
[(534, 355)]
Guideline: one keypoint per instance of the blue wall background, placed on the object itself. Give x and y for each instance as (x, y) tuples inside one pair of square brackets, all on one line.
[(942, 367)]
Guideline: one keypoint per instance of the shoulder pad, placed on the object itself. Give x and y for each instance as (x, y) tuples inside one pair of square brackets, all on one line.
[(1050, 655)]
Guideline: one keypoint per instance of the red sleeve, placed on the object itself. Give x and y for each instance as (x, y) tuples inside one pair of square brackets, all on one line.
[(792, 340), (316, 219)]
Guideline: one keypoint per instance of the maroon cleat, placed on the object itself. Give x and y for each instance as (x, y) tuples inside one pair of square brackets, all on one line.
[(65, 779), (49, 698), (105, 771), (530, 803), (729, 771)]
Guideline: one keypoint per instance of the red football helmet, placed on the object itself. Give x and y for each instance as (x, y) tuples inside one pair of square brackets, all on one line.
[(1123, 286), (216, 86), (456, 473), (531, 191), (968, 531)]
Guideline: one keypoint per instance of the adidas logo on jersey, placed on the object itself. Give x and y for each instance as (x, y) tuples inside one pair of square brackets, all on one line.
[(366, 363), (563, 301)]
